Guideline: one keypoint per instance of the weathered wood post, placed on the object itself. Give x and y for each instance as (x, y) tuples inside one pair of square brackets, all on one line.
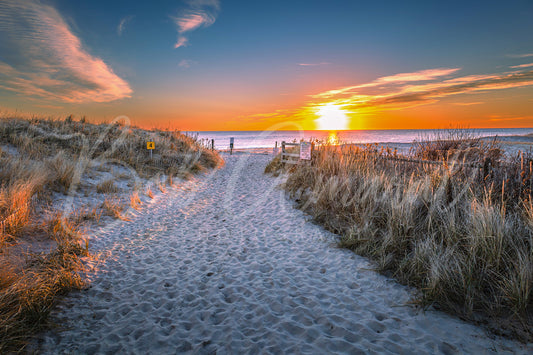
[(231, 140), (212, 144), (282, 151)]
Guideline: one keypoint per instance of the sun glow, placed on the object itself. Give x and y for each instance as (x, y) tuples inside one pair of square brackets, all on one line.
[(333, 138), (331, 117)]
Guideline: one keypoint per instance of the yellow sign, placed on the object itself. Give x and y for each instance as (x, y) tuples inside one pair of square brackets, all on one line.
[(150, 145)]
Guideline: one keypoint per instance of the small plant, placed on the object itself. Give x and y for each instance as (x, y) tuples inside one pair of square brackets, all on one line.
[(106, 187), (135, 201), (113, 208), (62, 171)]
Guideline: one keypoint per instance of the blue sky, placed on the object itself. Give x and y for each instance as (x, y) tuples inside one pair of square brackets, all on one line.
[(249, 64)]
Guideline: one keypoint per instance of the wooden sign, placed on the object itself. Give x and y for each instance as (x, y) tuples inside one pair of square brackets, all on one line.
[(305, 150), (150, 145)]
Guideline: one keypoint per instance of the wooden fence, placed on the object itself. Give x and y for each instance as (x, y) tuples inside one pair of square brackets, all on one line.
[(286, 157)]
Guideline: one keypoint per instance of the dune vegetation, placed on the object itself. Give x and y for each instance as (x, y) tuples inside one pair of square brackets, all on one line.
[(454, 218), (102, 168)]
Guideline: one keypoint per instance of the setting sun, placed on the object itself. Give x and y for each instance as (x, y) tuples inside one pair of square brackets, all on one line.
[(331, 117)]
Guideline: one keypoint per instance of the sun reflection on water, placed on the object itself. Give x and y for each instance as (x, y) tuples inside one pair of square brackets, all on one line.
[(333, 138)]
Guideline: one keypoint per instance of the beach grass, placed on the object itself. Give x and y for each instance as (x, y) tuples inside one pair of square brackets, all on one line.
[(44, 159), (454, 218)]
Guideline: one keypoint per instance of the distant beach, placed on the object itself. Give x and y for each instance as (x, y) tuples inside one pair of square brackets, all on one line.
[(268, 139)]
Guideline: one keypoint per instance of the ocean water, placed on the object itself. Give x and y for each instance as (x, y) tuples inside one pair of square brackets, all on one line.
[(268, 139)]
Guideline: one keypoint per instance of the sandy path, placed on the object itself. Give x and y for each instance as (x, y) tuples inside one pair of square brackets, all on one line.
[(226, 264)]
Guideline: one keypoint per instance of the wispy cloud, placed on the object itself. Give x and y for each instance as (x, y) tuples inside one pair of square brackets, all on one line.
[(41, 57), (186, 63), (519, 118), (313, 64), (201, 13), (520, 55), (122, 25), (418, 88), (522, 66), (423, 75), (468, 103)]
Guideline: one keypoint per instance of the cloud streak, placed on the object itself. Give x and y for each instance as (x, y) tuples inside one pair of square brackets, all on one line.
[(201, 13), (313, 64), (520, 55), (423, 75), (42, 58), (122, 25), (186, 63), (522, 66), (413, 89)]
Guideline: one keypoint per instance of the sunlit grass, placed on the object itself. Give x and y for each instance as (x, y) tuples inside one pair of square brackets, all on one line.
[(40, 159), (460, 230)]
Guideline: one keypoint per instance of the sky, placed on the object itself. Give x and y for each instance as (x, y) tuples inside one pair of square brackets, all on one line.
[(258, 65)]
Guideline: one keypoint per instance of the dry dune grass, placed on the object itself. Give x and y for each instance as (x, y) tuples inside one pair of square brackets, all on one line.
[(462, 234), (40, 157)]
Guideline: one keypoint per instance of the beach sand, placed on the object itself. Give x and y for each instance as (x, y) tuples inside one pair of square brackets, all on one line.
[(225, 264)]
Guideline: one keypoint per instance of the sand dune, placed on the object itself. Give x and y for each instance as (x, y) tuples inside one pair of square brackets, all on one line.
[(224, 263)]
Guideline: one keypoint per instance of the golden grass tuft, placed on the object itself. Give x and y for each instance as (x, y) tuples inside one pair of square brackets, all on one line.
[(107, 187), (62, 171), (113, 208), (27, 296), (135, 201), (149, 193)]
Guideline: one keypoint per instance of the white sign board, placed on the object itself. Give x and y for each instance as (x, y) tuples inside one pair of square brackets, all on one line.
[(305, 150)]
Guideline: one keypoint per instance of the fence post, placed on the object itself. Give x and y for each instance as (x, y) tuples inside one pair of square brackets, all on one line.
[(212, 144), (282, 151)]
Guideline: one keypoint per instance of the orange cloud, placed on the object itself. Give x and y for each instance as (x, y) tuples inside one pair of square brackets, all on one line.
[(408, 95), (522, 66), (423, 75), (467, 103), (520, 118), (202, 13), (43, 58)]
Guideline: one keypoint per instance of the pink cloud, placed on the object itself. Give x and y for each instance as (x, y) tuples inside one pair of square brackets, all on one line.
[(423, 75), (522, 66), (405, 90), (202, 13), (467, 103), (47, 60)]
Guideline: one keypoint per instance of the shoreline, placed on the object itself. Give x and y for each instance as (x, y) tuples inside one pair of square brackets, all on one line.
[(511, 145)]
